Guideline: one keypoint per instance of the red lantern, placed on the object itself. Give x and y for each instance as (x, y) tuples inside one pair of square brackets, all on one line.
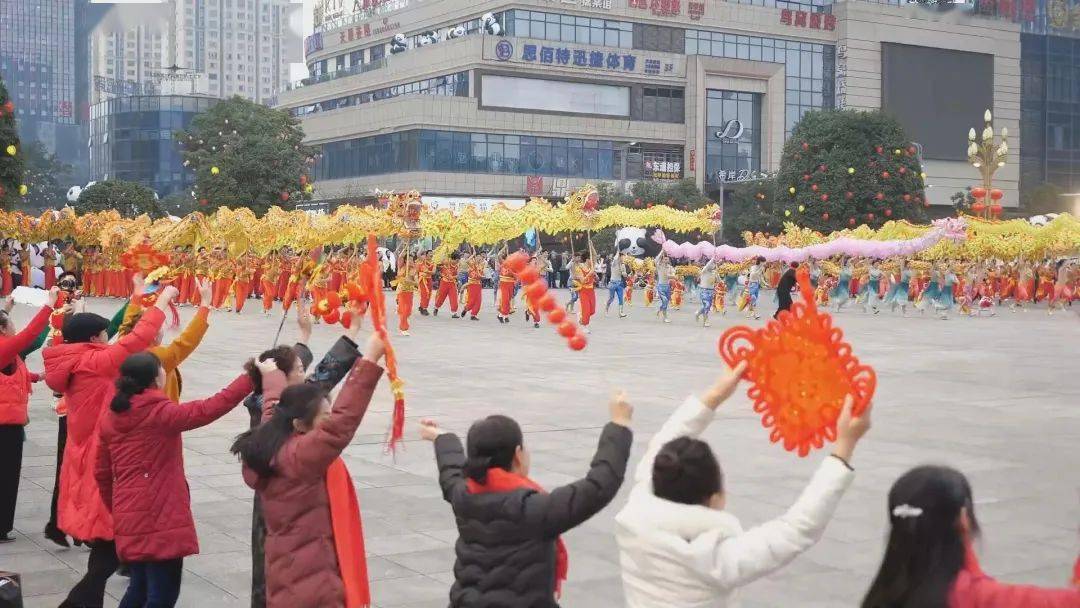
[(822, 168), (805, 146), (884, 175), (888, 213), (813, 187), (907, 198), (567, 329), (878, 149), (902, 170), (978, 207), (557, 315), (851, 221), (978, 192), (284, 196), (824, 197), (996, 194), (546, 302), (995, 210), (528, 275), (880, 196), (303, 180), (825, 216), (870, 216), (911, 150), (577, 342), (203, 202), (806, 177), (849, 195), (9, 107)]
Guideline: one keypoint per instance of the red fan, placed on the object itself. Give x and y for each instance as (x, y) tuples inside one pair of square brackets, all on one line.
[(801, 372)]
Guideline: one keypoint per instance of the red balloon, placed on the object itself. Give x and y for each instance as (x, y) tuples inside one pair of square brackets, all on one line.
[(996, 194), (577, 342), (824, 197), (536, 289), (805, 146), (880, 196), (528, 275), (204, 202), (567, 329), (902, 170), (870, 216), (978, 192), (849, 195), (284, 196), (825, 216), (884, 175), (907, 198), (806, 177), (814, 187), (546, 302), (851, 222), (888, 213), (878, 149), (303, 180), (556, 315)]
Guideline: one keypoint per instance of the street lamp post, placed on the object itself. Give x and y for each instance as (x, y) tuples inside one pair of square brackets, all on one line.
[(987, 153)]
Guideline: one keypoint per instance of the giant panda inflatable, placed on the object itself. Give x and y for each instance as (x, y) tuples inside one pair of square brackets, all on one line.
[(398, 44), (636, 242), (491, 25)]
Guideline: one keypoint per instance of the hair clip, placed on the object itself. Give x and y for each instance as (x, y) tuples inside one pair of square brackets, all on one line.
[(905, 511)]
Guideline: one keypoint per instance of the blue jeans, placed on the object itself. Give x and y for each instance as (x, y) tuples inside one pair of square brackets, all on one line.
[(154, 584), (706, 294), (753, 289), (573, 296), (664, 293), (616, 288)]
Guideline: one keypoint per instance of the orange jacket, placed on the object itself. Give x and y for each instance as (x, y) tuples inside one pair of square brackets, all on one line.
[(174, 353)]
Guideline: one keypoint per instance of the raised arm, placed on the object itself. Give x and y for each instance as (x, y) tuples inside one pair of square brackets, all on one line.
[(11, 347), (450, 458), (141, 338), (180, 417), (336, 363), (318, 448)]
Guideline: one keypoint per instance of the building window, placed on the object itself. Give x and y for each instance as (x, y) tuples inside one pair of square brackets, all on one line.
[(451, 85), (568, 28), (732, 135), (658, 104), (659, 38)]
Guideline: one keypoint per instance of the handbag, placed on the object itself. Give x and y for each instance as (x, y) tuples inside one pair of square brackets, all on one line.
[(10, 590)]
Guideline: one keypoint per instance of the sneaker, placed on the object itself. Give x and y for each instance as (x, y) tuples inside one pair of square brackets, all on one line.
[(707, 324), (536, 325), (666, 320), (423, 312), (55, 535), (6, 537), (435, 312), (472, 318), (622, 315), (454, 316)]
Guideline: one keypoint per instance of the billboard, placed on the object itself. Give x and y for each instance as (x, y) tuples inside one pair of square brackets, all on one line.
[(937, 95)]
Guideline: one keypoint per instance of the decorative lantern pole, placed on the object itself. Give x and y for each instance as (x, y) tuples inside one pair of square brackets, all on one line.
[(987, 153)]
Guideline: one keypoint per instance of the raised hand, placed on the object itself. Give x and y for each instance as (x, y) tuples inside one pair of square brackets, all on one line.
[(429, 430), (206, 292), (374, 349), (849, 429), (724, 387), (621, 410)]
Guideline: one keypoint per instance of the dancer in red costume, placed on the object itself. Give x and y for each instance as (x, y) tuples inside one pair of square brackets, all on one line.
[(448, 287), (49, 266), (424, 268), (5, 272), (269, 282), (506, 289), (585, 279), (244, 279), (406, 286), (474, 294)]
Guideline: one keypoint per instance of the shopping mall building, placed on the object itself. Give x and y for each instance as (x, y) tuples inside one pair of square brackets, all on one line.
[(504, 99)]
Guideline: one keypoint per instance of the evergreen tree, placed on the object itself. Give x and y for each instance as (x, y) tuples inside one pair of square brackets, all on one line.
[(11, 161), (842, 168), (131, 199)]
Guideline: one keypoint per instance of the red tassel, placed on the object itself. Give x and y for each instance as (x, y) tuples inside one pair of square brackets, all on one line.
[(174, 316), (397, 430)]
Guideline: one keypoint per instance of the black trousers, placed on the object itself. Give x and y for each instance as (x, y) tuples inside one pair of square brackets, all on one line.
[(11, 451), (258, 556), (90, 591), (61, 441), (784, 302)]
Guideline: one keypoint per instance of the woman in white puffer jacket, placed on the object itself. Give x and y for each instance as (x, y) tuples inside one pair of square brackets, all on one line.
[(677, 546)]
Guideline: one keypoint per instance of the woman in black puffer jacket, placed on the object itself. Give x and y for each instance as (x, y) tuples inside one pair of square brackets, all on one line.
[(509, 553)]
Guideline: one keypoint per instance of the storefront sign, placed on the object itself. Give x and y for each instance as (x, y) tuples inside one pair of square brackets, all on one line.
[(731, 132), (367, 30), (117, 86), (814, 21), (596, 4), (313, 43), (693, 161), (732, 176), (841, 76), (534, 185), (669, 8), (457, 203), (608, 60), (662, 170)]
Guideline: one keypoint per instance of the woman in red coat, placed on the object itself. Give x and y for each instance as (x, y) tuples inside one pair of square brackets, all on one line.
[(314, 542), (84, 369), (140, 473), (929, 561)]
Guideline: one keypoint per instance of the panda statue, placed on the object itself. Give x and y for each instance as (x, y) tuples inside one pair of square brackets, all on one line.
[(455, 32), (73, 194), (398, 44), (636, 242), (491, 25), (428, 38)]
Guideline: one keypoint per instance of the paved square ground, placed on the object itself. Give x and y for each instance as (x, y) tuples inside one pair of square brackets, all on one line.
[(998, 398)]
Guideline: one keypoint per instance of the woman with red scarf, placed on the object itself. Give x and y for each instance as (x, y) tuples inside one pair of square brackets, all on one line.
[(314, 539), (929, 559), (510, 552)]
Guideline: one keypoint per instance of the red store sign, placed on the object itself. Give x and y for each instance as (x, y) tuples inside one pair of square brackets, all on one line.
[(814, 21), (360, 32), (669, 8)]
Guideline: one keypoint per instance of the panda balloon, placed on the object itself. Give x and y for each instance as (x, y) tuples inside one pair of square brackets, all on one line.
[(428, 38), (636, 242), (455, 32), (491, 25), (398, 44)]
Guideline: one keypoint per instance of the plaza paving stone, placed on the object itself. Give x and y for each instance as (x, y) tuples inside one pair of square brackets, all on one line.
[(998, 398)]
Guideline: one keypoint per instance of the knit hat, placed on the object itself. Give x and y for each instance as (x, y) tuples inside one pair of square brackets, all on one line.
[(83, 326)]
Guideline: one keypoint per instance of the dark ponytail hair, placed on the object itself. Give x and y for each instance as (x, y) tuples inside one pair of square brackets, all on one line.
[(492, 442), (258, 446), (926, 548), (285, 358), (137, 373), (686, 471)]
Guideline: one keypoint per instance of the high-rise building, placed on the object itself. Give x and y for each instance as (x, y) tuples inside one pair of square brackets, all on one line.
[(42, 62), (226, 47)]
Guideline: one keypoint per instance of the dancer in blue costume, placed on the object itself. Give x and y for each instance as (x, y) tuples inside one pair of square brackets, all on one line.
[(731, 282), (842, 292), (871, 290), (898, 294), (945, 299), (928, 298)]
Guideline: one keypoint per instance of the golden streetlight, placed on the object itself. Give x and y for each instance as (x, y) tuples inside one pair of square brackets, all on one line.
[(987, 153)]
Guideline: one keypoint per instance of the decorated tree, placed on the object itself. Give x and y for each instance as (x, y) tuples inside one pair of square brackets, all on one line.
[(46, 178), (247, 155), (131, 199), (11, 160), (750, 208), (841, 168)]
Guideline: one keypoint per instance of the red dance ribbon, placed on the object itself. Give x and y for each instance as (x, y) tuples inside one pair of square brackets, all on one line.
[(370, 278)]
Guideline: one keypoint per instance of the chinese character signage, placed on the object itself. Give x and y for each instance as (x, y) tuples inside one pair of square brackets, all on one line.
[(814, 21), (313, 43), (658, 169), (590, 4), (534, 185), (367, 30), (662, 8), (548, 54)]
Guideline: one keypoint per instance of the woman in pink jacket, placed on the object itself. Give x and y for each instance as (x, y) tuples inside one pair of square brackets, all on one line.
[(929, 561)]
